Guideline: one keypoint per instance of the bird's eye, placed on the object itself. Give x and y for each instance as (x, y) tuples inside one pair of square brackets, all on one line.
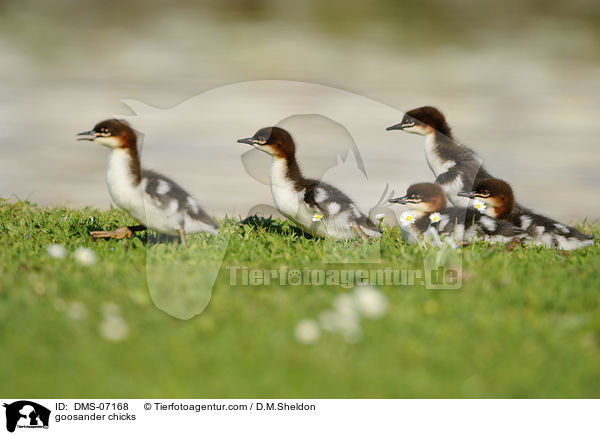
[(261, 140)]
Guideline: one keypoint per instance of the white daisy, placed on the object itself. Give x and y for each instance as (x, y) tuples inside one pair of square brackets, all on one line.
[(77, 310), (56, 251), (379, 216), (370, 302), (344, 304), (114, 328), (478, 205), (317, 217), (435, 217), (307, 331), (84, 256), (343, 319), (407, 218), (346, 324)]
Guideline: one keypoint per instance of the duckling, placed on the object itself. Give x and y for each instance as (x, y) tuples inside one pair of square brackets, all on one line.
[(317, 207), (157, 202), (456, 167), (497, 201), (429, 213)]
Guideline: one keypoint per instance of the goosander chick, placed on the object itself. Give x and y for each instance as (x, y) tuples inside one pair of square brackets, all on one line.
[(456, 167), (317, 207), (154, 200), (497, 201), (428, 212)]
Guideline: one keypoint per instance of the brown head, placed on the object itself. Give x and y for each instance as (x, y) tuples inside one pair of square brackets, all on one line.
[(274, 140), (423, 120), (497, 195), (112, 133), (425, 197)]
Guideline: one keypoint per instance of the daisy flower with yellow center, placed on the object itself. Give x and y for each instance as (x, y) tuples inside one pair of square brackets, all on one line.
[(317, 217), (435, 217), (479, 205), (407, 218)]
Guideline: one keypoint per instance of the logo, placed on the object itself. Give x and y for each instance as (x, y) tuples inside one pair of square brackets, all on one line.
[(26, 414)]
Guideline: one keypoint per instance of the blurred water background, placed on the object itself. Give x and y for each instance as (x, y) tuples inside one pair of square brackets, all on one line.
[(519, 82)]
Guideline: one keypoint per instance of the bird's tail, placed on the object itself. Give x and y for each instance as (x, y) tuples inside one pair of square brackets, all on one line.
[(568, 238)]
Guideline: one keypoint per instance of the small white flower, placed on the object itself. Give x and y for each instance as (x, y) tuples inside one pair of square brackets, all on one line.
[(77, 310), (114, 328), (317, 217), (370, 302), (345, 319), (344, 304), (407, 218), (435, 217), (84, 256), (56, 251), (344, 323), (307, 331), (379, 216), (478, 205)]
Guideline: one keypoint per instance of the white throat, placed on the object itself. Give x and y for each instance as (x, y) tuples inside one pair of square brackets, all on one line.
[(435, 162), (284, 194), (121, 183), (109, 141)]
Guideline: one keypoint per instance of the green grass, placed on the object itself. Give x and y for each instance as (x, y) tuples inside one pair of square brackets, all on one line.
[(526, 322)]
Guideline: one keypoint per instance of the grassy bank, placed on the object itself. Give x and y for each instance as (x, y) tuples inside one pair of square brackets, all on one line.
[(525, 323)]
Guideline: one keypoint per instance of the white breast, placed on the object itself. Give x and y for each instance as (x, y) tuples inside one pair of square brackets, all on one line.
[(439, 166), (287, 200), (167, 217), (285, 197), (121, 185), (436, 164)]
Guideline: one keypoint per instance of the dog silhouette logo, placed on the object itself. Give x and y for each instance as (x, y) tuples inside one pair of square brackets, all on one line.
[(26, 414)]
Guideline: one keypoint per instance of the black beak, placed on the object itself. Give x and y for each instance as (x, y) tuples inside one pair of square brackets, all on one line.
[(248, 140), (86, 135), (466, 194), (400, 200), (396, 127), (402, 125)]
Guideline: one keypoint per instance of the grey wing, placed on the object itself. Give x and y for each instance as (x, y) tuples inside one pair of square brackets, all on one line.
[(479, 226), (171, 195), (330, 201), (326, 199)]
